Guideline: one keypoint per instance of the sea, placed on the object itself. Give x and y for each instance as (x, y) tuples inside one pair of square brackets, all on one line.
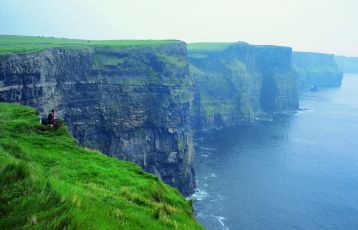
[(296, 171)]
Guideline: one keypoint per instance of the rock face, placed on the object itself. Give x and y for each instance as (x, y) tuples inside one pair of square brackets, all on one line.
[(316, 70), (237, 82), (130, 102), (347, 64)]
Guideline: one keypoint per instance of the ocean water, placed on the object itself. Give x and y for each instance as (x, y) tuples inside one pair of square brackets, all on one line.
[(296, 172)]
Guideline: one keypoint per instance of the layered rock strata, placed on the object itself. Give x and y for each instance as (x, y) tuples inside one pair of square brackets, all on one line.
[(236, 83), (130, 102)]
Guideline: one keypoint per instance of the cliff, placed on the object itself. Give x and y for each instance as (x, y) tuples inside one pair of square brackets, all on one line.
[(237, 82), (128, 99), (48, 182), (347, 64), (316, 69)]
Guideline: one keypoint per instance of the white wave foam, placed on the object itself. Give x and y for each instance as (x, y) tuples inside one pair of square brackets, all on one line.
[(218, 197), (198, 195), (207, 148), (300, 111), (221, 221), (212, 175)]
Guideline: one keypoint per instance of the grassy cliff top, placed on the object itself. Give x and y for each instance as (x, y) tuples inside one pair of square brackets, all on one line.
[(220, 46), (23, 44), (48, 182), (209, 46)]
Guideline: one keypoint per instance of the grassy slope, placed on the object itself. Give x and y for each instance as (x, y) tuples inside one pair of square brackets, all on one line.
[(23, 44), (47, 182)]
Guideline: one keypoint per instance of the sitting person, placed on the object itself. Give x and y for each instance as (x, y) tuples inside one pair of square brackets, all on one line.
[(51, 119), (51, 116)]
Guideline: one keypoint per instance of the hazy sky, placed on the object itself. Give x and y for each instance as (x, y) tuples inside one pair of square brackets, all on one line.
[(329, 26)]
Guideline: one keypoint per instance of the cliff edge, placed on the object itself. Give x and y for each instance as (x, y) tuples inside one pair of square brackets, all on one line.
[(127, 99), (48, 182)]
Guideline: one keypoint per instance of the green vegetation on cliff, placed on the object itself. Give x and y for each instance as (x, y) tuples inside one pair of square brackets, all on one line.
[(48, 182), (24, 44), (219, 78), (209, 46), (234, 82), (316, 69)]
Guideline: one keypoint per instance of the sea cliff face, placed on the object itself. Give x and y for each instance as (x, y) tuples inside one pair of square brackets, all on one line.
[(130, 102), (347, 64), (316, 70), (235, 83)]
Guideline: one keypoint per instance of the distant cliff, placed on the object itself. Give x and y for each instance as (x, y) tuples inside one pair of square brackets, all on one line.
[(128, 99), (347, 64), (237, 82), (315, 69)]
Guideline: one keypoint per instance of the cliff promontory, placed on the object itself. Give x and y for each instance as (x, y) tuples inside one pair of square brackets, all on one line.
[(128, 99), (316, 70), (238, 82), (347, 64)]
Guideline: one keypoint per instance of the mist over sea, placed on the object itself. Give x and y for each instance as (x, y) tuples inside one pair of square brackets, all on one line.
[(296, 172)]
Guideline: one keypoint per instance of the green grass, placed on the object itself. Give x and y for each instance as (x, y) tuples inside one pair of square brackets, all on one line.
[(209, 46), (102, 60), (48, 182), (25, 44), (179, 62), (237, 68), (213, 106)]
